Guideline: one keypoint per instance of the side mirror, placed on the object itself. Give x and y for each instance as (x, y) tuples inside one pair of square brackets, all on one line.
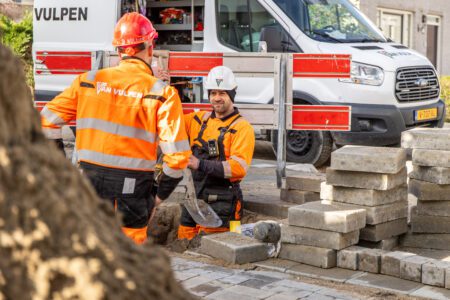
[(262, 46)]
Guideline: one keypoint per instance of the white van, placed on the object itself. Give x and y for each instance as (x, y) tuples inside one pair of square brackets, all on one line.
[(392, 88)]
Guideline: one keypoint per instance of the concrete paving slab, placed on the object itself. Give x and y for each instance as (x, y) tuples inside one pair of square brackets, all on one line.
[(331, 217), (430, 224), (439, 241), (229, 295), (384, 231), (305, 182), (267, 204), (317, 237), (384, 282), (258, 283), (426, 138), (319, 297), (280, 288), (437, 175), (206, 289), (290, 295), (348, 258), (390, 262), (266, 274), (443, 255), (365, 180), (196, 281), (248, 291), (254, 284), (431, 158), (333, 274), (182, 276), (336, 295), (379, 214), (433, 208), (234, 248), (387, 244), (430, 292), (315, 256), (363, 196), (300, 285), (276, 264), (369, 159), (447, 279), (235, 279), (298, 197), (433, 272), (369, 260), (411, 267), (427, 191)]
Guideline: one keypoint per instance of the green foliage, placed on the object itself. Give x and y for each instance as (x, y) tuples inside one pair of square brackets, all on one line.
[(18, 36), (445, 94)]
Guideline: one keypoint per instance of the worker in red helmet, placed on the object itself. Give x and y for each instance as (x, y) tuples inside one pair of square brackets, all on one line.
[(123, 114)]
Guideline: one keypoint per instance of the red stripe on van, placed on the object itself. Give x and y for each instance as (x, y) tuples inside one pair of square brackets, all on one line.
[(58, 62), (193, 64), (321, 117), (322, 65), (193, 107)]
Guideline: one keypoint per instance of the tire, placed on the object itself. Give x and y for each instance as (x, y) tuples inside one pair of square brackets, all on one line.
[(306, 147)]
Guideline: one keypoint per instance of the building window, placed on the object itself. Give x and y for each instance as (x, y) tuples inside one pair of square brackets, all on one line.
[(396, 25)]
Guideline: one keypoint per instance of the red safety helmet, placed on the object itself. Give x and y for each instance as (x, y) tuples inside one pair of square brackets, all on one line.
[(133, 29)]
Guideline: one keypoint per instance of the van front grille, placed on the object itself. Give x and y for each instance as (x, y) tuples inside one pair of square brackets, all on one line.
[(416, 84)]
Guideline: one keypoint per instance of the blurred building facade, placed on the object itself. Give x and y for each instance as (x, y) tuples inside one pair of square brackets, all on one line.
[(423, 25)]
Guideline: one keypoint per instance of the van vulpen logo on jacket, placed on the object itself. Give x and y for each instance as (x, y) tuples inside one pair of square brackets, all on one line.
[(219, 81), (102, 87)]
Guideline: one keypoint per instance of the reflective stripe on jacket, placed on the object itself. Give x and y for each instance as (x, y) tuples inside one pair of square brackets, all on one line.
[(239, 141), (122, 114)]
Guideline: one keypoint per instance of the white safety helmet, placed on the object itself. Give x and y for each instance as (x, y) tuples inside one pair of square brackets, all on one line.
[(220, 78)]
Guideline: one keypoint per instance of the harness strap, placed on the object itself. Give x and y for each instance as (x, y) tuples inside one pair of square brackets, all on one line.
[(223, 131), (202, 129)]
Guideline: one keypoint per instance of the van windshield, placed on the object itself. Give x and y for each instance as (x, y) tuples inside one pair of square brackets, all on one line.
[(332, 21)]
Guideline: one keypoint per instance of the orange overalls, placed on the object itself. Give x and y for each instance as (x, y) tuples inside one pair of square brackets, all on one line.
[(217, 179), (123, 113)]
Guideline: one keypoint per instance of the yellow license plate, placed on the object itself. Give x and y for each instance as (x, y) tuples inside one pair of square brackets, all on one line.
[(426, 114)]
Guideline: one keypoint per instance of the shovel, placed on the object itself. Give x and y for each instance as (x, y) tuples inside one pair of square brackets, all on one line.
[(199, 210)]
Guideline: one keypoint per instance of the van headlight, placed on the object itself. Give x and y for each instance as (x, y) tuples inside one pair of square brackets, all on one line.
[(365, 74)]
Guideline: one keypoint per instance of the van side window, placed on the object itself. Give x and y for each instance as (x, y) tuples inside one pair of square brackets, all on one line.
[(242, 24)]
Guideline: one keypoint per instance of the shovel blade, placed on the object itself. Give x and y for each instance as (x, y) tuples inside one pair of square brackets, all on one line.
[(200, 211)]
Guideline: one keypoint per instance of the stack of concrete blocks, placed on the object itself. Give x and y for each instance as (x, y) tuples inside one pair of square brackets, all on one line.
[(302, 187), (374, 179), (430, 183), (314, 232)]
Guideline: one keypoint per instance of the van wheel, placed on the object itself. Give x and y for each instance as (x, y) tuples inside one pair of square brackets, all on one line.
[(306, 147)]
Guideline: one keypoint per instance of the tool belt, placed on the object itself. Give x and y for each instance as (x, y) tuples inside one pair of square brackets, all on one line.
[(213, 194)]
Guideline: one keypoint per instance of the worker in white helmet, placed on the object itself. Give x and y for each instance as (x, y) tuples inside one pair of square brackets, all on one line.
[(222, 142)]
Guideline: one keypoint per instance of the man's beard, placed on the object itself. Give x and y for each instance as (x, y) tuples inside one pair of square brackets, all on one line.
[(220, 108)]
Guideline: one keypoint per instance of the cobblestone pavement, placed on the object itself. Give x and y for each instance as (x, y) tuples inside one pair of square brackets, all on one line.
[(214, 282)]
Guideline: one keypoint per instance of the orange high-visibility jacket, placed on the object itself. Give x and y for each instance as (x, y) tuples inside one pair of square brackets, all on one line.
[(239, 141), (123, 113)]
